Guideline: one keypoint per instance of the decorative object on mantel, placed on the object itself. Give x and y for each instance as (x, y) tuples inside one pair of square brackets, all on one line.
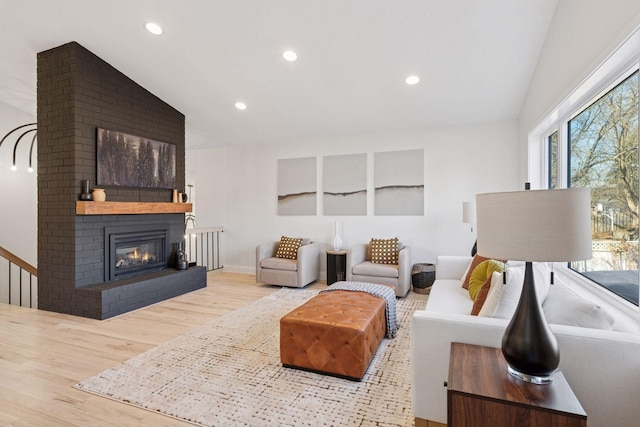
[(99, 195), (190, 217), (184, 197), (174, 196), (86, 194), (533, 226), (336, 242)]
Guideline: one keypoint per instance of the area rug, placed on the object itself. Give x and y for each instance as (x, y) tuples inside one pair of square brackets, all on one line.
[(228, 373)]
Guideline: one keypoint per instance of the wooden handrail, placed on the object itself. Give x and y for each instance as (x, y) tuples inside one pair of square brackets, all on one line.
[(18, 261)]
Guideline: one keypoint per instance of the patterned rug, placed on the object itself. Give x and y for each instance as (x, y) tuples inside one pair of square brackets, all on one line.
[(228, 373)]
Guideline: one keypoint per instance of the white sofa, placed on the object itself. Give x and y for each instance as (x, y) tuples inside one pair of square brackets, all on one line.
[(602, 366)]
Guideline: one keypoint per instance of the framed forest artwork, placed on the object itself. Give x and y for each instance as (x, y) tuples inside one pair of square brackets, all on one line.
[(125, 160)]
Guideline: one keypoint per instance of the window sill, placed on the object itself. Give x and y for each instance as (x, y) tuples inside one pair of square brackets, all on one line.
[(599, 294)]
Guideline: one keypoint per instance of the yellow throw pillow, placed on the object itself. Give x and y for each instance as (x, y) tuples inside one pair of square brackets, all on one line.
[(288, 247), (384, 251), (477, 259), (481, 273)]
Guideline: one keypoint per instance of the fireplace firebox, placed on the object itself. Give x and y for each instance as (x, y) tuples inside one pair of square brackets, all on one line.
[(135, 250)]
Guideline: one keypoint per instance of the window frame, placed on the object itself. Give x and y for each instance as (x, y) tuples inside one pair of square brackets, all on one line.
[(623, 62)]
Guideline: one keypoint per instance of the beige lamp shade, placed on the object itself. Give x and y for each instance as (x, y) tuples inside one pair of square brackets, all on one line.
[(535, 225), (468, 212)]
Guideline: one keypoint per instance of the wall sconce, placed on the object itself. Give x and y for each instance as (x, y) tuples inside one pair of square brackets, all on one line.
[(469, 213), (469, 217), (14, 167)]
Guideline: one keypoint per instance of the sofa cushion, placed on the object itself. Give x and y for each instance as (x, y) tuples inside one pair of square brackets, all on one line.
[(369, 268), (486, 297), (493, 297), (477, 259), (449, 297), (288, 247), (481, 273), (565, 307), (512, 290), (275, 263), (384, 251)]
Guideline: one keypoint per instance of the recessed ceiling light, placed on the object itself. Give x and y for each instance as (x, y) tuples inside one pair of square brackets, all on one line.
[(412, 80), (241, 106), (289, 55), (153, 28)]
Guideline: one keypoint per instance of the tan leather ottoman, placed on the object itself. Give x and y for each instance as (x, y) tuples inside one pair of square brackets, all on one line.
[(335, 332)]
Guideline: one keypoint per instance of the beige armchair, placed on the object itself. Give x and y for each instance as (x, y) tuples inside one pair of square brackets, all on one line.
[(361, 269), (296, 273)]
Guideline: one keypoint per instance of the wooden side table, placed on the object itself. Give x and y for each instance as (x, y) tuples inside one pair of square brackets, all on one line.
[(336, 266), (481, 393)]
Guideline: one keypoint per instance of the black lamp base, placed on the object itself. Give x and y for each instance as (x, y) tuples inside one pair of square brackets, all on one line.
[(528, 345), (534, 379)]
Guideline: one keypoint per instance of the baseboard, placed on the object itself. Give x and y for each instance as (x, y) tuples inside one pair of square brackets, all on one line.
[(239, 269)]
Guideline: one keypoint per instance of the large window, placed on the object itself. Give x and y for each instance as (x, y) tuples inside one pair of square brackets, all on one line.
[(602, 154), (552, 159)]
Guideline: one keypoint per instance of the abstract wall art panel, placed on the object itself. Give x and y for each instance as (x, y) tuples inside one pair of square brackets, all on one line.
[(399, 182), (345, 184), (297, 186)]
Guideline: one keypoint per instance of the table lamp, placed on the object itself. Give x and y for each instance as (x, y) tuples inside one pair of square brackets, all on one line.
[(533, 226), (469, 217)]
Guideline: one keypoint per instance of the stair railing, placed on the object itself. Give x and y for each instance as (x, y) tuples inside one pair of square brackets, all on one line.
[(18, 281), (202, 246)]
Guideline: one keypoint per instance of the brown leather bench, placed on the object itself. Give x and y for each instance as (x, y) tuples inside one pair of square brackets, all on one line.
[(335, 332)]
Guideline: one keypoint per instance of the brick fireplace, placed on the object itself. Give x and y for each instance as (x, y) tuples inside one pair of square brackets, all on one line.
[(77, 93)]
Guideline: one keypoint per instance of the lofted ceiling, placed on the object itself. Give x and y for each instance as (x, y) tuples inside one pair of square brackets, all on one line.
[(475, 59)]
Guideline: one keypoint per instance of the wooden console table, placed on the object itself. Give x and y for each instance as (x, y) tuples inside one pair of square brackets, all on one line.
[(481, 393)]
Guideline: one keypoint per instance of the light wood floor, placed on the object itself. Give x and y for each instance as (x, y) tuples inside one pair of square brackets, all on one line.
[(43, 354)]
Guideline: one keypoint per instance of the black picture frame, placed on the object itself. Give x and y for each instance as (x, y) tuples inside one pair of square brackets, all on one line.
[(125, 160)]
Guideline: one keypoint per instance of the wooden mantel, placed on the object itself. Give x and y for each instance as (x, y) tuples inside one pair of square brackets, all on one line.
[(130, 208)]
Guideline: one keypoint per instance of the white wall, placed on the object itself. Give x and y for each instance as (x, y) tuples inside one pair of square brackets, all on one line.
[(18, 190), (236, 187), (581, 36)]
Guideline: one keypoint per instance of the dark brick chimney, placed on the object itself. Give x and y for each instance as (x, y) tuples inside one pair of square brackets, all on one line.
[(77, 93)]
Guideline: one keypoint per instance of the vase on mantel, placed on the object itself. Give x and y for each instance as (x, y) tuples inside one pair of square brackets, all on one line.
[(99, 195), (86, 194), (336, 242)]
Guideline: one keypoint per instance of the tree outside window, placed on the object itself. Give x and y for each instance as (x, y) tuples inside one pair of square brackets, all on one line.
[(603, 156)]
